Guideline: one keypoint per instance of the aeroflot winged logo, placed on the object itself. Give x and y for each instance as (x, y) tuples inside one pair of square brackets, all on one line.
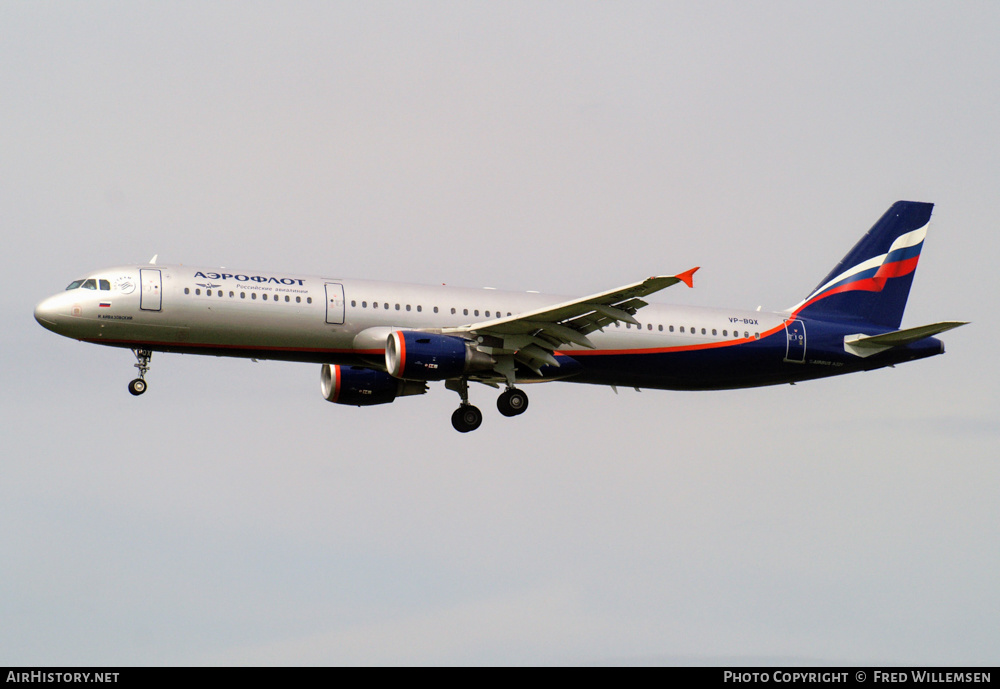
[(239, 277)]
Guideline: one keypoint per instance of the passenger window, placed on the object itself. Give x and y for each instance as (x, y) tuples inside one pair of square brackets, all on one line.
[(682, 328), (298, 300), (407, 307), (264, 296), (660, 328), (105, 286), (397, 307), (353, 303), (435, 309), (309, 300), (231, 294), (487, 314), (287, 298), (465, 312), (452, 310), (198, 292), (649, 326), (187, 290), (419, 308), (746, 333), (714, 332), (208, 293), (725, 333), (386, 306), (253, 295), (702, 331), (671, 328)]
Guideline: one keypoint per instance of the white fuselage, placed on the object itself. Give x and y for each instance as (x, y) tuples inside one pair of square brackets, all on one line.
[(334, 320)]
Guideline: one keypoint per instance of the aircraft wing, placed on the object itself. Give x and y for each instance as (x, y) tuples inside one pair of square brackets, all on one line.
[(534, 335)]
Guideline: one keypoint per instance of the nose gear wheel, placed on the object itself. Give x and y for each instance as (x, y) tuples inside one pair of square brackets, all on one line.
[(138, 386)]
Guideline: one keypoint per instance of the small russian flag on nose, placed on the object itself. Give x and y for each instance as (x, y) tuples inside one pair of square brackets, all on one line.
[(105, 304)]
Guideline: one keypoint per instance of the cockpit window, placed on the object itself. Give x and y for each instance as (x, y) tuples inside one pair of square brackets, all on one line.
[(74, 284), (89, 284), (105, 285)]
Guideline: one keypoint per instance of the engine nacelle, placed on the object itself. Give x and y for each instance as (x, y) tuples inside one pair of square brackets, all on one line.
[(413, 355), (363, 387)]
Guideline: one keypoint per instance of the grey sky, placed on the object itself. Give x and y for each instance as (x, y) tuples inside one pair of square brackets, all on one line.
[(231, 515)]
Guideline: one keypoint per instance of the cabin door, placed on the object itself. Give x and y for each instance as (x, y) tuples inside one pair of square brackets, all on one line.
[(150, 298), (795, 332)]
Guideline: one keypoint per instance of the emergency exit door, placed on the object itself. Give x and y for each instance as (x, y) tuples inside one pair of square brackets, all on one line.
[(334, 303)]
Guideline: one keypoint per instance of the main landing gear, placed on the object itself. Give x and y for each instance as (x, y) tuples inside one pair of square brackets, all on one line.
[(512, 402), (468, 417), (138, 386)]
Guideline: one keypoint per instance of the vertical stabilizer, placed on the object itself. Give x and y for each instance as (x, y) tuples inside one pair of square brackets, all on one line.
[(871, 284)]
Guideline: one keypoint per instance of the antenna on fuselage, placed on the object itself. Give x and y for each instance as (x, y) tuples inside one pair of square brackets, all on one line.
[(152, 261)]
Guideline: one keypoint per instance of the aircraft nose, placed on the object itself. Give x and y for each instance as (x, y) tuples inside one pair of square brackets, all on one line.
[(45, 313)]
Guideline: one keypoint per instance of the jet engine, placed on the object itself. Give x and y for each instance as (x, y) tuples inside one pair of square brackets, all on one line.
[(413, 355), (363, 387)]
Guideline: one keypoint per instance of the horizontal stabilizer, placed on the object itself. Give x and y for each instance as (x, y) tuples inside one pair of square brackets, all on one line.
[(866, 345)]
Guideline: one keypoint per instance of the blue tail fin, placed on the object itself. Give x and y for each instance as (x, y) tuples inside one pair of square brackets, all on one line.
[(872, 282)]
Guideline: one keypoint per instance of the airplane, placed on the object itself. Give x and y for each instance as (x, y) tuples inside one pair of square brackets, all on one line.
[(377, 341)]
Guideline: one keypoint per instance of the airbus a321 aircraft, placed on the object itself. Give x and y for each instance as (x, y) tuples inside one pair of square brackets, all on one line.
[(378, 341)]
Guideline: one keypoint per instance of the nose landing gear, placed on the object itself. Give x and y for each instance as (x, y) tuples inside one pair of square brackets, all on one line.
[(138, 386)]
